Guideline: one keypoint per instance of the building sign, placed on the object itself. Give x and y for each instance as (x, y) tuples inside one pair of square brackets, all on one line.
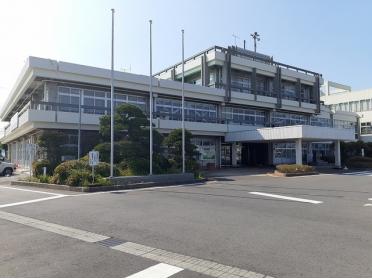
[(93, 158)]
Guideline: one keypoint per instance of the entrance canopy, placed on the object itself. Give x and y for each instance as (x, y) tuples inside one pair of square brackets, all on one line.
[(304, 132)]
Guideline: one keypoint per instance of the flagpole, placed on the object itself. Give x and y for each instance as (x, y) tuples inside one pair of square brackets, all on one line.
[(79, 132), (112, 96), (183, 103), (151, 105)]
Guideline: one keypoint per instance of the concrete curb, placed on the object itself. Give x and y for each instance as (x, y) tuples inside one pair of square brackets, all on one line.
[(100, 188)]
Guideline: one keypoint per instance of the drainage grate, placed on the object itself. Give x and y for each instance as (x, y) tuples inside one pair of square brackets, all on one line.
[(110, 242)]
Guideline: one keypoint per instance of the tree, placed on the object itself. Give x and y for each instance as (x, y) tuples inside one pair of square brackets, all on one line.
[(131, 141), (50, 142), (174, 143)]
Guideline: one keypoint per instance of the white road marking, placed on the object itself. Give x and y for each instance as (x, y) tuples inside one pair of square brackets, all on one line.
[(32, 191), (32, 201), (285, 197), (370, 199), (51, 227), (359, 173), (160, 270), (179, 261), (368, 204)]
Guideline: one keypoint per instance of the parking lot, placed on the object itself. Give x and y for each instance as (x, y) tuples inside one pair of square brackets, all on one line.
[(237, 225)]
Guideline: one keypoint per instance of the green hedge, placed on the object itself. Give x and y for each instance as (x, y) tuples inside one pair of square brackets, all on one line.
[(294, 168), (37, 167), (359, 162), (79, 173)]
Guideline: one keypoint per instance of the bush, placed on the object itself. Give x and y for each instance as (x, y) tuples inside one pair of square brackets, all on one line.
[(62, 171), (294, 168), (79, 178), (37, 167), (359, 162), (44, 178), (103, 169)]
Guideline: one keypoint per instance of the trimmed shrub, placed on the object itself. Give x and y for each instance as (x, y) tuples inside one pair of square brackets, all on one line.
[(103, 169), (37, 167), (294, 168), (63, 170), (79, 178), (44, 178), (359, 162)]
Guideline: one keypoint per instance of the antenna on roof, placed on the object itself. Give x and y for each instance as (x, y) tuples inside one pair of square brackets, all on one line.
[(256, 38), (235, 37)]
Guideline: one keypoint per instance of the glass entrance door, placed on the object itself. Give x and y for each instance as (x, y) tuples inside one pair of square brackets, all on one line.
[(225, 155)]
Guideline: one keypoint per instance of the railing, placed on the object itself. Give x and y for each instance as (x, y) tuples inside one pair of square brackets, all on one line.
[(322, 122)]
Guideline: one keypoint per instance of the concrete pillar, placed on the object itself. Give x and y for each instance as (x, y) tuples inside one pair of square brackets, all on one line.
[(204, 70), (299, 152), (337, 154), (218, 152), (310, 152), (234, 154)]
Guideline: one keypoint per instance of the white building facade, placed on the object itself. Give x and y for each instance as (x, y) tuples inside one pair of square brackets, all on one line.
[(243, 108), (359, 102)]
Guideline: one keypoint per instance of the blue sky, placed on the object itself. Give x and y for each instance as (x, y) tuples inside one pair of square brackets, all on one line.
[(330, 37)]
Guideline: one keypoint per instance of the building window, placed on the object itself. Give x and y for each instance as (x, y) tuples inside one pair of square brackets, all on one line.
[(241, 81), (320, 121), (68, 96), (365, 128), (197, 112), (243, 116), (289, 90), (288, 119), (264, 85)]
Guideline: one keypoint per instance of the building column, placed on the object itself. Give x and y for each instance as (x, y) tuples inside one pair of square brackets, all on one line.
[(218, 152), (299, 152), (234, 154), (337, 154)]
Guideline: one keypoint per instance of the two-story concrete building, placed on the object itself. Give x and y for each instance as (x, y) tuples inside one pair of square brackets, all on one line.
[(243, 108)]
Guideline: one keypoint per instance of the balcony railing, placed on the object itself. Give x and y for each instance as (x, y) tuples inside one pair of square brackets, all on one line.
[(275, 122)]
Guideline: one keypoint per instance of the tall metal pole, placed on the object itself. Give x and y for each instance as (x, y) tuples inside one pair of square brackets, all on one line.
[(112, 97), (79, 132), (151, 105), (183, 103)]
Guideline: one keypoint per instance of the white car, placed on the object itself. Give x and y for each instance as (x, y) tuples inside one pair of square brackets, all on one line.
[(7, 168)]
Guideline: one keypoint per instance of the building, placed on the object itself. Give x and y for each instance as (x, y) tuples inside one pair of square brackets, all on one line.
[(243, 108), (343, 99)]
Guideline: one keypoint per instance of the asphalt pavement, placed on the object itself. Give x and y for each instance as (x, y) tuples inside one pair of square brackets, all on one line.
[(313, 226)]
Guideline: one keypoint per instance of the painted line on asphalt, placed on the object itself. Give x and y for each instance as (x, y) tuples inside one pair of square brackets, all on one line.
[(160, 270), (180, 261), (51, 227), (285, 197), (359, 173), (32, 201), (32, 191), (370, 199), (368, 204)]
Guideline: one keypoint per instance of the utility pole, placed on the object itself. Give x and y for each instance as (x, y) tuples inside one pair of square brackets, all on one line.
[(256, 38), (79, 131)]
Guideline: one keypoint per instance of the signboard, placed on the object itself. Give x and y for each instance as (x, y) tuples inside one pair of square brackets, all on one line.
[(93, 158)]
